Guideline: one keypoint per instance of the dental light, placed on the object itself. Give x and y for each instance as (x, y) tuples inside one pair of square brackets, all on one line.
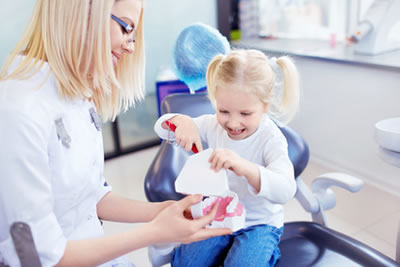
[(375, 34)]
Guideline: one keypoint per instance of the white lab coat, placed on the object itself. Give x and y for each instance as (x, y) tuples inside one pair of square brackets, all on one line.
[(43, 182)]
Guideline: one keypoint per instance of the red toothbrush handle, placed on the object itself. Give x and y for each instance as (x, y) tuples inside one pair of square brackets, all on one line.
[(173, 127)]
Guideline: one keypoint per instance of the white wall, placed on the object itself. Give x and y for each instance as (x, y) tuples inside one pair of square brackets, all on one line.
[(13, 17), (341, 104), (164, 20)]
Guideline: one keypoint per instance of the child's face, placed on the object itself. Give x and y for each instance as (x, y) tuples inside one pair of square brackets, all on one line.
[(128, 11), (238, 113)]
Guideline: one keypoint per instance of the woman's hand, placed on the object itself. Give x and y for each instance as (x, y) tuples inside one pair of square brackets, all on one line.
[(186, 213), (186, 133), (169, 226), (175, 227)]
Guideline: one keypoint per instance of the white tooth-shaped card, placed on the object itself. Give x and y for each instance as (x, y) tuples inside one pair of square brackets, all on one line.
[(196, 177)]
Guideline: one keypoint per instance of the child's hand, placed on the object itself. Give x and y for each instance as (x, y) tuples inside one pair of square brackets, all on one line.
[(227, 159), (186, 133)]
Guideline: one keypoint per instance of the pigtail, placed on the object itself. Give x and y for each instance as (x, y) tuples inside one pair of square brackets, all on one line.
[(211, 74), (290, 89)]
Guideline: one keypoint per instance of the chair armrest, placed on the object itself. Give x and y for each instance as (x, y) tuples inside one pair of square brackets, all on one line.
[(321, 187), (305, 197), (322, 197)]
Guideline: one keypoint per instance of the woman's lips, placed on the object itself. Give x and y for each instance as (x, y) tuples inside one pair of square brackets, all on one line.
[(115, 58)]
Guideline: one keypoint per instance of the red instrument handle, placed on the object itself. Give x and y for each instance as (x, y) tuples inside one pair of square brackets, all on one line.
[(173, 128)]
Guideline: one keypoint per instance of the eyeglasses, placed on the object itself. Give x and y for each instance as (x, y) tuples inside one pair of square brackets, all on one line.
[(126, 28)]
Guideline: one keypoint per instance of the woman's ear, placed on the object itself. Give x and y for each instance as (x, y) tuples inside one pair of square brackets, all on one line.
[(266, 107)]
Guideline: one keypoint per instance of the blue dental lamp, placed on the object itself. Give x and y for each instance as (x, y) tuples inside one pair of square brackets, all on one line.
[(194, 48)]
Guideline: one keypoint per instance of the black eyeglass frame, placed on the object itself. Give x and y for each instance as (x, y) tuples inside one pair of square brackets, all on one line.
[(127, 28)]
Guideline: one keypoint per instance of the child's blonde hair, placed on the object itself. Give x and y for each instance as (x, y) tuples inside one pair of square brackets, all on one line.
[(74, 36), (253, 72)]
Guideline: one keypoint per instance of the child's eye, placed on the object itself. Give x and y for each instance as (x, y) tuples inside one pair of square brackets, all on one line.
[(223, 111), (246, 114)]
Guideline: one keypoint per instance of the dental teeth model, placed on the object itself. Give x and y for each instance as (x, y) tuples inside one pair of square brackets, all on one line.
[(230, 212), (196, 177)]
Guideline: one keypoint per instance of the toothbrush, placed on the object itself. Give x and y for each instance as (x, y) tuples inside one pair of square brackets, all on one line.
[(173, 127)]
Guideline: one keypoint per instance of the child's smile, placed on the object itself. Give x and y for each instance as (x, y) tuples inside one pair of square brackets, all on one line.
[(238, 112)]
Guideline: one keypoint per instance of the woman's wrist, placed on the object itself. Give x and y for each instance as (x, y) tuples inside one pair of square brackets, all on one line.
[(160, 206), (153, 233)]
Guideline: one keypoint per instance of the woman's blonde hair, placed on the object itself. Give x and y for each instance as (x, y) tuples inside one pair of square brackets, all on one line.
[(252, 71), (73, 36)]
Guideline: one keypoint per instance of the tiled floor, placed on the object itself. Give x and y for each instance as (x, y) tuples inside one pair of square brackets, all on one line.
[(371, 215)]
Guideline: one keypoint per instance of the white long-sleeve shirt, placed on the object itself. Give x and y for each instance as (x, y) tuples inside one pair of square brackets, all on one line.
[(50, 185), (267, 147)]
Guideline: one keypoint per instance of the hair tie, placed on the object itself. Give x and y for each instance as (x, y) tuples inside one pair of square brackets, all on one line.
[(223, 57), (273, 64)]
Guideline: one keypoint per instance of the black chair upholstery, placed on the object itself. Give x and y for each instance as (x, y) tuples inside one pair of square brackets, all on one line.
[(311, 244), (303, 243)]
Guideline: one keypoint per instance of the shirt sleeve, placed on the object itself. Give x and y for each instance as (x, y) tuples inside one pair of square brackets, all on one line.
[(25, 191), (103, 190), (164, 133), (278, 184)]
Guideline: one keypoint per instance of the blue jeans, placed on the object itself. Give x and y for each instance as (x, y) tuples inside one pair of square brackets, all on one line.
[(253, 246)]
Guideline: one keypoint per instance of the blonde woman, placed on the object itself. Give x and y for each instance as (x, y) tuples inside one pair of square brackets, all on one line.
[(76, 59), (246, 88)]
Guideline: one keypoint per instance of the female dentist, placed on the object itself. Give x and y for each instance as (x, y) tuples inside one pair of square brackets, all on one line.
[(76, 59)]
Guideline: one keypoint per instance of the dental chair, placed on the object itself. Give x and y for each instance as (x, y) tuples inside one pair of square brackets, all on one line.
[(305, 243)]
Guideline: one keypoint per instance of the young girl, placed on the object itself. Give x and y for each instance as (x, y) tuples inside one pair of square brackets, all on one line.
[(77, 58), (243, 88)]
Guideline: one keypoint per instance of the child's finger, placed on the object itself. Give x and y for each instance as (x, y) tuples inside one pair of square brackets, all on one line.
[(198, 145), (212, 160), (187, 146), (219, 164), (165, 126)]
